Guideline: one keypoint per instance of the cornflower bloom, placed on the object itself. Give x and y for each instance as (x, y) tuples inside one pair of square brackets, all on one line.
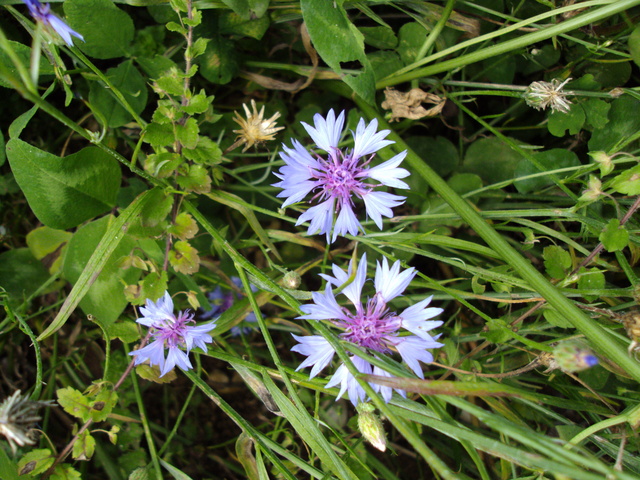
[(221, 301), (340, 177), (373, 326), (171, 332), (42, 13)]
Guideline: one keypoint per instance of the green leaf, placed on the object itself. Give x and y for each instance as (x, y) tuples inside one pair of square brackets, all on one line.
[(634, 45), (107, 30), (152, 374), (206, 152), (21, 274), (549, 160), (597, 111), (230, 23), (35, 462), (196, 179), (379, 37), (103, 251), (126, 331), (338, 42), (591, 279), (84, 446), (438, 152), (184, 258), (240, 7), (74, 403), (64, 192), (552, 316), (560, 122), (219, 64), (103, 404), (614, 237), (64, 471), (628, 182), (105, 298), (24, 55), (175, 473), (491, 159), (8, 468), (126, 78), (152, 218), (624, 122), (556, 261), (411, 38), (384, 63), (159, 135), (187, 134), (44, 240), (184, 227)]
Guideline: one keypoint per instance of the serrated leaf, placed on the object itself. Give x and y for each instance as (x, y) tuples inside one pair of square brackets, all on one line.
[(556, 261), (74, 403), (206, 152), (36, 462), (159, 135), (65, 471), (187, 134), (199, 103), (64, 192), (125, 331), (196, 180), (184, 258), (185, 227), (614, 237), (103, 404), (84, 446)]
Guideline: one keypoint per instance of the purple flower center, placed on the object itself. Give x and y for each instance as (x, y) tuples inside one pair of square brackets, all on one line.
[(371, 328), (173, 331), (339, 177)]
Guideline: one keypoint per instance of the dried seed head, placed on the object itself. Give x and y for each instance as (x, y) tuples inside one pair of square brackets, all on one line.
[(541, 95), (254, 130), (18, 414), (631, 323), (572, 356)]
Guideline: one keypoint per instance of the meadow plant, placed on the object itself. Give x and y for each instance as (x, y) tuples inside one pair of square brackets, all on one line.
[(480, 258)]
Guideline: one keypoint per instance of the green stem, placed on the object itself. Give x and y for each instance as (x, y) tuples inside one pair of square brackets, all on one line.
[(147, 430)]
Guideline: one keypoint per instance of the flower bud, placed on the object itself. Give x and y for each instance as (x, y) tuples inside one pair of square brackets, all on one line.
[(604, 160), (291, 280), (371, 427), (573, 356)]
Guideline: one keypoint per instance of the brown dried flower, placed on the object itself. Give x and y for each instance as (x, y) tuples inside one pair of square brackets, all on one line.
[(541, 95), (254, 130)]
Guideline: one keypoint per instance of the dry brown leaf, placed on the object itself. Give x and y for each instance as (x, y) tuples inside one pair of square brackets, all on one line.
[(409, 104)]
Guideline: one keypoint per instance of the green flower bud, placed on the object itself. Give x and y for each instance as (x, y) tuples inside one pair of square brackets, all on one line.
[(291, 280), (371, 427), (604, 160)]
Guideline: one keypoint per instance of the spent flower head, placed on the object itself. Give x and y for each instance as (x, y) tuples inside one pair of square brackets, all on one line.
[(541, 95), (170, 332), (340, 176), (18, 414), (373, 326), (42, 13), (222, 300), (254, 130)]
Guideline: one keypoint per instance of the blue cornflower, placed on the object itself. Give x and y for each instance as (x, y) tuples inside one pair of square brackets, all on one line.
[(170, 332), (42, 13), (222, 301), (373, 326), (340, 177)]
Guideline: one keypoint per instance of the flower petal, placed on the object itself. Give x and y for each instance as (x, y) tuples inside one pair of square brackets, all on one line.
[(367, 140), (388, 174), (327, 132), (318, 351)]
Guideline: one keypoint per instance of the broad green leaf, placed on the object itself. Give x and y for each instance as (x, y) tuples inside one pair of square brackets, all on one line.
[(379, 37), (24, 55), (35, 462), (240, 7), (64, 471), (184, 258), (591, 279), (21, 274), (624, 122), (64, 192), (105, 298), (614, 237), (107, 30), (597, 111), (560, 122), (99, 258), (230, 23), (438, 152), (411, 37), (103, 403), (126, 78), (44, 240), (550, 160), (338, 42), (556, 261), (491, 159), (219, 64), (74, 403), (634, 45), (384, 63), (628, 182)]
